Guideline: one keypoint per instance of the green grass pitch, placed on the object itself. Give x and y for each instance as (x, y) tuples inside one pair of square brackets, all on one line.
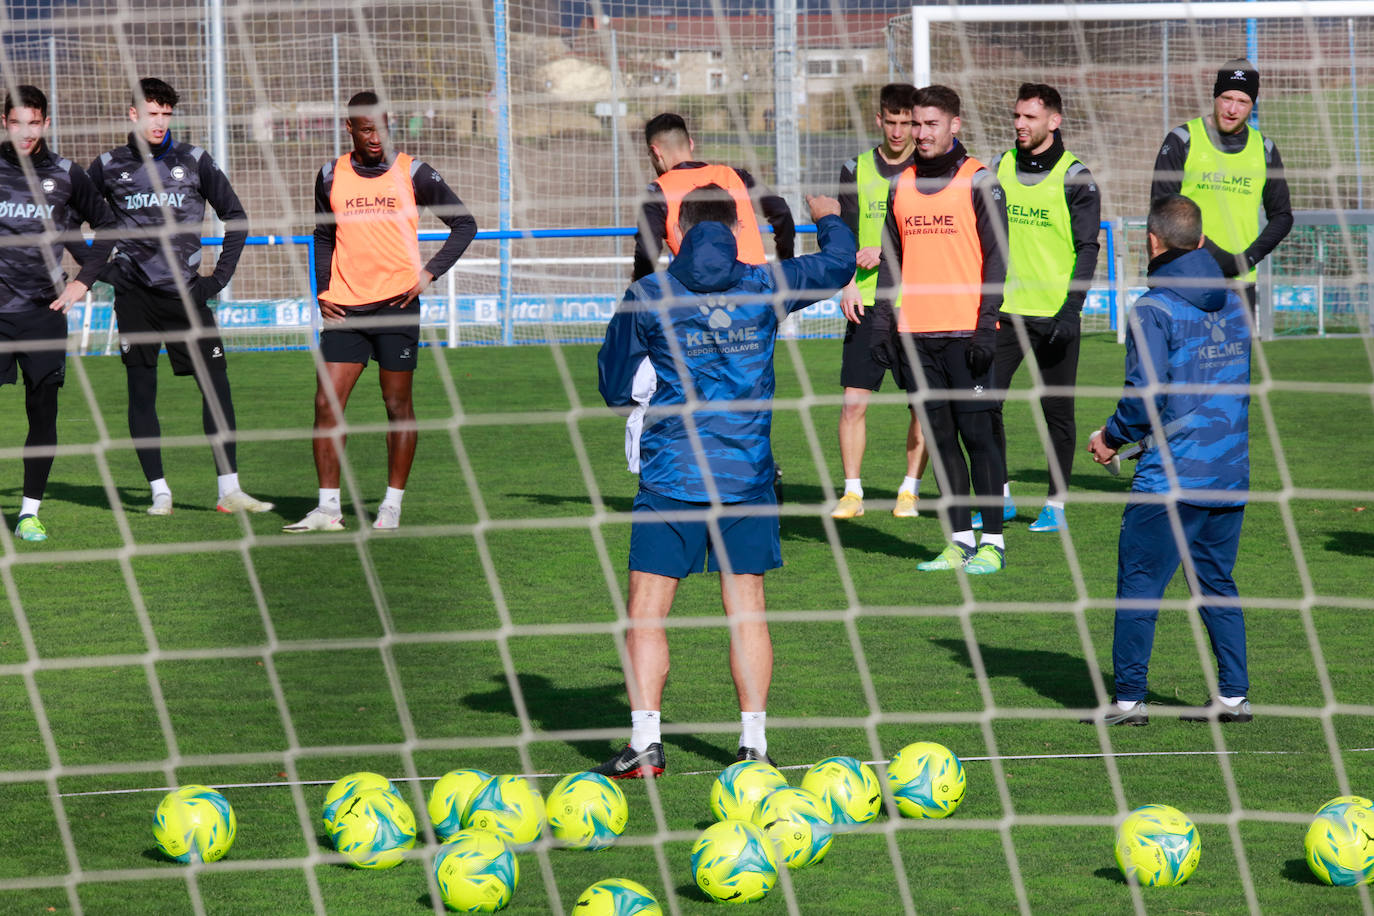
[(495, 545)]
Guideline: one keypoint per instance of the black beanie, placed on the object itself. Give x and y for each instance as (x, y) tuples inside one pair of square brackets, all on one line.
[(1237, 74)]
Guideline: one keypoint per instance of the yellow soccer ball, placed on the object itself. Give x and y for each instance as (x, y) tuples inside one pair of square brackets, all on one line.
[(926, 780), (194, 823), (740, 787), (450, 796), (848, 787), (509, 807), (587, 810), (798, 822), (374, 828), (1158, 845), (617, 897), (1340, 842), (476, 872)]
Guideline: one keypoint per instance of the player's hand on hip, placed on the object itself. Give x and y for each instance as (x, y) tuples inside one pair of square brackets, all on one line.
[(74, 292), (331, 313), (868, 258), (822, 206), (422, 284)]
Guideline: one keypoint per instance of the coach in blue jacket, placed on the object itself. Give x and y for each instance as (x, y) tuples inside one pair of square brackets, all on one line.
[(708, 325), (1187, 402)]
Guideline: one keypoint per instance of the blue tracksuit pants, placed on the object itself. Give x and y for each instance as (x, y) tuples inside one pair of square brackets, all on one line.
[(1147, 558)]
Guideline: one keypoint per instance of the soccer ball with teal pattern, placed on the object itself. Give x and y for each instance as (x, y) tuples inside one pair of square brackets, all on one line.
[(740, 787), (450, 796), (194, 823), (374, 828), (733, 862), (1158, 845), (346, 788), (587, 810), (798, 822), (849, 787), (1340, 842), (476, 872), (617, 897), (926, 780), (509, 807)]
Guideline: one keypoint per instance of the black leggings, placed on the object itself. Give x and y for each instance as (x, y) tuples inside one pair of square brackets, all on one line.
[(976, 430), (143, 422), (41, 405)]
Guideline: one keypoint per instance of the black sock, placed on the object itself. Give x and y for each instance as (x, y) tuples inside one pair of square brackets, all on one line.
[(41, 405)]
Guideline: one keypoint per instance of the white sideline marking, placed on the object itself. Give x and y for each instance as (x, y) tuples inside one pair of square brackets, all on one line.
[(798, 766)]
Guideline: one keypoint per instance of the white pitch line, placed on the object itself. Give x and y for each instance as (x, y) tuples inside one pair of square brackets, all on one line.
[(799, 766)]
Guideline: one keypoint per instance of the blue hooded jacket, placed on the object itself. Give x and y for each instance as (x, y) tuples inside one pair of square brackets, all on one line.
[(708, 325), (1187, 376)]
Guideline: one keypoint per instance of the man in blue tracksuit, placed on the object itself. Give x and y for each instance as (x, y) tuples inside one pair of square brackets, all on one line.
[(1187, 403), (708, 325)]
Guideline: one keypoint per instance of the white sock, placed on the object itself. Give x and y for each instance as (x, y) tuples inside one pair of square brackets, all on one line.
[(751, 731), (160, 486), (1006, 490), (996, 540), (1057, 506), (910, 485), (854, 485), (646, 728), (1232, 701), (1125, 705), (228, 483), (329, 500), (29, 506), (964, 538), (393, 497)]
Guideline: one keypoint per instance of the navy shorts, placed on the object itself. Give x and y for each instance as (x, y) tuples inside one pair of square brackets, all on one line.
[(676, 547), (36, 340), (382, 332)]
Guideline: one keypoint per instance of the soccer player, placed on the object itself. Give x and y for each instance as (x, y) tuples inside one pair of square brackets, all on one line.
[(708, 323), (152, 182), (46, 199), (369, 276), (1229, 169), (1187, 402), (1053, 219), (670, 151), (865, 182), (944, 255)]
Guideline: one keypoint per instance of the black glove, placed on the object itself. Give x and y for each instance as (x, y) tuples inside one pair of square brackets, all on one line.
[(1232, 263), (982, 350), (203, 289), (1064, 330)]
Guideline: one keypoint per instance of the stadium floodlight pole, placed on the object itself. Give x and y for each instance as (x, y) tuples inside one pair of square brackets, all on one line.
[(923, 16)]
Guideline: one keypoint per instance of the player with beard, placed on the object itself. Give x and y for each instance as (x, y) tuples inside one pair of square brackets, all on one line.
[(1053, 220), (944, 259), (1229, 169)]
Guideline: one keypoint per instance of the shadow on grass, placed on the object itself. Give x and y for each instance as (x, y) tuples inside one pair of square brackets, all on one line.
[(90, 496), (1358, 543), (1110, 874), (554, 707), (1060, 677), (692, 892), (612, 503), (1095, 478), (857, 536), (1297, 871)]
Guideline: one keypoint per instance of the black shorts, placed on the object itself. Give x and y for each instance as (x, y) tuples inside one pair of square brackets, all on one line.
[(382, 332), (857, 368), (36, 340), (150, 318), (943, 369)]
